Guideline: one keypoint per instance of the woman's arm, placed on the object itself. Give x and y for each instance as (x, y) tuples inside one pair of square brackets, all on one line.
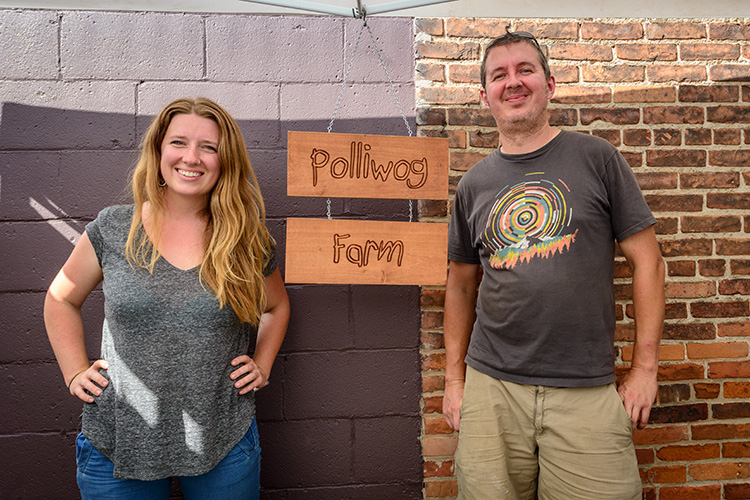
[(62, 318), (255, 371)]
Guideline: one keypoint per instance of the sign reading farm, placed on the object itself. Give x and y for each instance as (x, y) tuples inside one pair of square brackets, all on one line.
[(365, 252), (367, 166)]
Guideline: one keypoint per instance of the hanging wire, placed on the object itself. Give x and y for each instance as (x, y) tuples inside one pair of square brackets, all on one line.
[(362, 14)]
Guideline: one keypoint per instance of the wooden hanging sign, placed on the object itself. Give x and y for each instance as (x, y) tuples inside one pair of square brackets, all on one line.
[(367, 166), (367, 252)]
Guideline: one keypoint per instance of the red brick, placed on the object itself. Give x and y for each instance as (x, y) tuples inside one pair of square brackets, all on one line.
[(719, 432), (644, 455), (689, 331), (708, 93), (430, 116), (610, 135), (736, 449), (441, 468), (729, 158), (734, 287), (475, 27), (729, 369), (449, 50), (728, 114), (464, 161), (436, 425), (662, 73), (666, 225), (712, 267), (464, 73), (729, 201), (656, 180), (676, 158), (619, 73), (729, 72), (581, 94), (456, 138), (644, 94), (432, 319), (678, 30), (634, 159), (688, 453), (717, 350), (549, 29), (728, 136), (711, 224), (680, 371), (432, 340), (432, 208), (448, 95), (674, 203), (440, 489), (667, 352), (728, 31), (439, 446), (432, 383), (679, 413), (434, 361), (563, 117), (661, 434), (681, 268), (564, 73), (720, 309), (740, 266), (675, 310), (432, 404), (708, 51), (735, 329), (611, 31), (737, 491), (430, 72), (673, 114), (681, 248), (733, 246), (664, 474), (647, 51), (705, 390), (429, 25), (667, 137), (706, 180), (719, 471), (698, 137), (711, 492), (636, 137), (672, 393), (617, 116), (479, 139), (574, 51), (473, 117), (734, 390)]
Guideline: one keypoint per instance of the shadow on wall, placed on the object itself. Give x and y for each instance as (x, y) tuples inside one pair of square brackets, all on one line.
[(341, 418)]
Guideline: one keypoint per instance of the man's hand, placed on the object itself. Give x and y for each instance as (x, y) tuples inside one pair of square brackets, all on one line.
[(454, 395), (638, 393)]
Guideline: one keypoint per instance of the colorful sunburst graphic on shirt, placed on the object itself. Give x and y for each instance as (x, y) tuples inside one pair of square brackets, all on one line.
[(529, 220)]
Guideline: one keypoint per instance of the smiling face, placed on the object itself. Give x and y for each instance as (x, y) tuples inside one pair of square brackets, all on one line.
[(517, 90), (189, 156)]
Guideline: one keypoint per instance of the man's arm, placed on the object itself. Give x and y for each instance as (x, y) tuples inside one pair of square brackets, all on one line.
[(460, 305), (638, 388)]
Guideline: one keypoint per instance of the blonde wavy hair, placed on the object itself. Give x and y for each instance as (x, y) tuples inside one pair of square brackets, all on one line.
[(237, 243)]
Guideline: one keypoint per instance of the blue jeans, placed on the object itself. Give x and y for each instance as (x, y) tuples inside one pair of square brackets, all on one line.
[(237, 476)]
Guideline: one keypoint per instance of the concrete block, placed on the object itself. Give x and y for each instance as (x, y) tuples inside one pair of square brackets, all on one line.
[(67, 115), (274, 48), (320, 319), (305, 453), (388, 450), (38, 390), (112, 45), (39, 466), (394, 37), (364, 108), (29, 44), (352, 384), (269, 401), (30, 180), (386, 317), (33, 253), (255, 107)]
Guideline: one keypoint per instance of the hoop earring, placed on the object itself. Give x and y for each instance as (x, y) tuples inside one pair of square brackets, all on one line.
[(162, 183)]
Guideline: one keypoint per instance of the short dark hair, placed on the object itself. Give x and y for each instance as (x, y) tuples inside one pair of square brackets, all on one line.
[(515, 37)]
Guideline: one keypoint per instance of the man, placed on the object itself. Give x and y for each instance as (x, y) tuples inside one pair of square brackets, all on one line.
[(537, 409)]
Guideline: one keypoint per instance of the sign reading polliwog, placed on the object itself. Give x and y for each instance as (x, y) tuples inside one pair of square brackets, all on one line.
[(339, 251), (367, 166)]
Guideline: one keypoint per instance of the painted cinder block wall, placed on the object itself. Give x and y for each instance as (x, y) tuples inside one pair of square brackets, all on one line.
[(674, 96), (341, 418)]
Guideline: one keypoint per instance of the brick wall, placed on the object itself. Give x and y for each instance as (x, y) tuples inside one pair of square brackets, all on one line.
[(77, 88), (674, 97)]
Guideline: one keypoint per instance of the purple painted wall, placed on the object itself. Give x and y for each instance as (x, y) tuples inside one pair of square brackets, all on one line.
[(340, 419)]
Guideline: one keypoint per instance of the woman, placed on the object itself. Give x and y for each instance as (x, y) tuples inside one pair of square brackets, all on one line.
[(187, 271)]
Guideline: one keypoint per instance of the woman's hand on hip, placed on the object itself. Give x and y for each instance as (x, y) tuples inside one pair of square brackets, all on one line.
[(89, 382), (249, 376)]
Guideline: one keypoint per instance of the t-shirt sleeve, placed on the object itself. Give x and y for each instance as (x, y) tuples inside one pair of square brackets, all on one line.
[(94, 232), (271, 263), (460, 246), (630, 213)]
